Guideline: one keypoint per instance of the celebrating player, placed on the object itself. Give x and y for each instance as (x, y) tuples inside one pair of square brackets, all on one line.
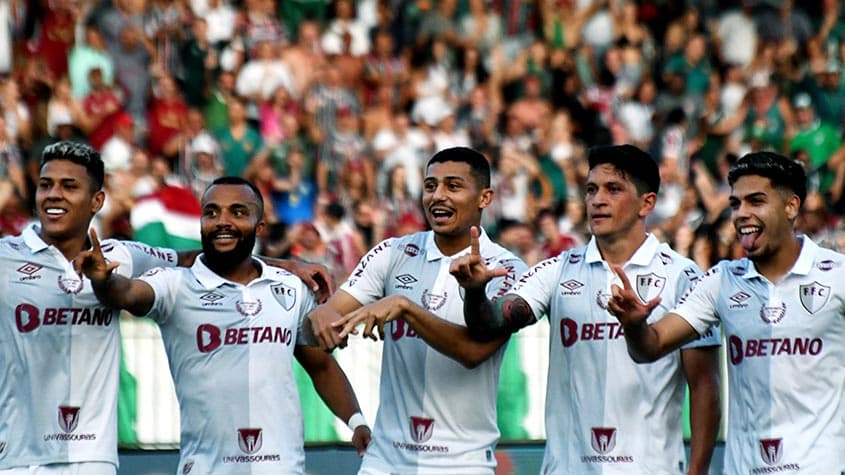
[(605, 414), (781, 311), (231, 327), (59, 347), (437, 408)]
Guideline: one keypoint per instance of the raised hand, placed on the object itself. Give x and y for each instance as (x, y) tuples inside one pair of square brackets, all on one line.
[(92, 263), (470, 271), (624, 303), (374, 316)]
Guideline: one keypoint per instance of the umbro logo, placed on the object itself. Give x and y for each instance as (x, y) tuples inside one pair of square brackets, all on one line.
[(29, 270), (212, 299), (571, 287), (405, 281), (739, 299)]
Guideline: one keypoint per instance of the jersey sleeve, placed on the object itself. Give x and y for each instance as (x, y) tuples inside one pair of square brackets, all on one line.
[(138, 257), (366, 282), (165, 284), (698, 305), (536, 286), (304, 333), (686, 281), (499, 286)]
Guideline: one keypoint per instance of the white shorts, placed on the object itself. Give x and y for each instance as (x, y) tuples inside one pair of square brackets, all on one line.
[(79, 468)]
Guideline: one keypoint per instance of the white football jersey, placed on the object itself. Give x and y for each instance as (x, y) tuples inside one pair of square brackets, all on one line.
[(434, 415), (61, 353), (606, 414), (786, 361), (230, 349)]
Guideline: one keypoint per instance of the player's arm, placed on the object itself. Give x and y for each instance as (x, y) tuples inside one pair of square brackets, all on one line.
[(111, 289), (334, 389), (485, 319), (646, 342), (315, 276), (323, 317), (701, 368), (446, 337)]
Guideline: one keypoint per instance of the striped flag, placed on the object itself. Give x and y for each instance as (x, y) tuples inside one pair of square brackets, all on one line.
[(169, 217)]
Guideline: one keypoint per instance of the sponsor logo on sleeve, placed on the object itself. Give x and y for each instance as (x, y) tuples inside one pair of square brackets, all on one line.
[(650, 286), (285, 295), (29, 271), (250, 440), (826, 265), (422, 428), (411, 250), (813, 296)]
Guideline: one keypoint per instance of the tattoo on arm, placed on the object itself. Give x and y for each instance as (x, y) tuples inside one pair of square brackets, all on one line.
[(516, 312), (487, 320)]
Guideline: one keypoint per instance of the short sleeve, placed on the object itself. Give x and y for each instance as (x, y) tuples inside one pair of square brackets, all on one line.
[(139, 257), (366, 282), (165, 284), (698, 305), (686, 281), (536, 286), (305, 335)]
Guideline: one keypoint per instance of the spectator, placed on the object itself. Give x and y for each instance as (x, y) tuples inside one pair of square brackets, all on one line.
[(263, 74), (819, 139), (101, 107), (117, 150), (345, 23), (239, 141), (165, 117), (133, 55), (199, 60), (87, 56), (216, 110)]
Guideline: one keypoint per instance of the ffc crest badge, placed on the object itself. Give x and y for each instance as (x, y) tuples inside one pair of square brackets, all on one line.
[(285, 295), (771, 450), (250, 440), (68, 418), (422, 428), (650, 286), (813, 296), (603, 439)]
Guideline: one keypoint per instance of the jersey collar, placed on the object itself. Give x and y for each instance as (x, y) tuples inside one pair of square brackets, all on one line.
[(432, 252), (642, 256), (32, 239), (211, 280), (803, 265)]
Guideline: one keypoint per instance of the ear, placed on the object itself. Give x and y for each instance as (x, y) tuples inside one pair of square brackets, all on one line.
[(792, 207), (485, 198), (647, 202), (260, 226), (97, 201)]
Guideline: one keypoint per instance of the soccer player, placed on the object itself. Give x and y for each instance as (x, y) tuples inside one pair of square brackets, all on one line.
[(781, 309), (605, 414), (437, 407), (231, 327), (59, 347)]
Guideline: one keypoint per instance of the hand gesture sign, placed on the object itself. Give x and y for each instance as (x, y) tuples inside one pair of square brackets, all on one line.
[(624, 303), (470, 271), (374, 315), (93, 264)]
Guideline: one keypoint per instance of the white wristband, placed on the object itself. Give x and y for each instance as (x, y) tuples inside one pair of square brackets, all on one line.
[(356, 420)]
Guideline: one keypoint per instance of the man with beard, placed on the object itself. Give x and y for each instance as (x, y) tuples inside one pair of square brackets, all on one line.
[(781, 309), (231, 327)]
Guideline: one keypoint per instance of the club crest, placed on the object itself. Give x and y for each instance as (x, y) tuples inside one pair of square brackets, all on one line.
[(650, 286), (771, 450), (813, 296), (248, 309), (285, 295), (70, 285)]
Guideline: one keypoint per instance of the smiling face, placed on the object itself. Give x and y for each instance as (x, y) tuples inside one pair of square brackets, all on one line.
[(231, 218), (762, 216), (615, 209), (452, 200), (66, 201)]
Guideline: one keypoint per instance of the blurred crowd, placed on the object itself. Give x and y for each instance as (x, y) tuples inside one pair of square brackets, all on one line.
[(332, 107)]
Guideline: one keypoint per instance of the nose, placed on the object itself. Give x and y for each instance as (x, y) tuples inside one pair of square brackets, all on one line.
[(439, 193)]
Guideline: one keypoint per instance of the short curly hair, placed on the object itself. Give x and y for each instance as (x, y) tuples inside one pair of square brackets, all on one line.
[(79, 153)]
